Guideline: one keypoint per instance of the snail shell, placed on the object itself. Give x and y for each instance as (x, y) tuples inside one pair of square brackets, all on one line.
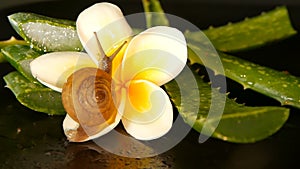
[(88, 99)]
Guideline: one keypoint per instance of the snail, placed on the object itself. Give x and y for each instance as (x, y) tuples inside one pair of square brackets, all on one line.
[(88, 98), (131, 79)]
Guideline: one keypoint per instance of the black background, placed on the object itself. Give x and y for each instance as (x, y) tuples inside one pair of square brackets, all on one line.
[(41, 143)]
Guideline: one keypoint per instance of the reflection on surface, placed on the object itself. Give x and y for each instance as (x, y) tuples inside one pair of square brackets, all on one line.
[(92, 156), (33, 140), (30, 139)]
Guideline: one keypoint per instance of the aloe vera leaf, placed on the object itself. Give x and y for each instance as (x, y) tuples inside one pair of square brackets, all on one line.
[(154, 13), (33, 96), (239, 123), (45, 33), (250, 33), (20, 56), (278, 85), (11, 41)]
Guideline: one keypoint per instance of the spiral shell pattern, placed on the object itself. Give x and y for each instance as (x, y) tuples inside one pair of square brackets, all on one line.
[(88, 99)]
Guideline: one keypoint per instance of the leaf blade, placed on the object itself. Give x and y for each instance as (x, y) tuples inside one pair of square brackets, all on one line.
[(254, 123), (250, 33), (20, 56), (11, 41), (33, 96), (154, 13), (280, 86), (61, 34)]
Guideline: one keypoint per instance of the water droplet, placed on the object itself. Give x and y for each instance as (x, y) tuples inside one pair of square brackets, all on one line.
[(243, 76), (225, 138), (226, 60), (19, 130), (287, 99), (211, 27), (250, 83)]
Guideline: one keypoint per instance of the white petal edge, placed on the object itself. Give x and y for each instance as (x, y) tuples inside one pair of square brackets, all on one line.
[(154, 129), (160, 49), (70, 124), (53, 69), (111, 26)]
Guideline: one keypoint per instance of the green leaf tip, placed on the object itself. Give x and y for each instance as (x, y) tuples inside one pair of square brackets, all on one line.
[(154, 13), (250, 33), (11, 41), (238, 123), (61, 33)]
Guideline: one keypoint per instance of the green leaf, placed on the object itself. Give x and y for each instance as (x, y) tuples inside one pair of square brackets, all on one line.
[(250, 33), (33, 96), (154, 13), (280, 86), (239, 123), (45, 33), (20, 56), (11, 41)]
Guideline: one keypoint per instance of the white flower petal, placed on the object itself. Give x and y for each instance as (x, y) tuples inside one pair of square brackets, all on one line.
[(53, 69), (157, 55), (107, 129), (70, 126), (148, 111), (108, 21), (73, 133)]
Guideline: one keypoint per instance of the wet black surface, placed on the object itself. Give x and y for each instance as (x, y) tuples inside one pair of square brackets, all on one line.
[(33, 140)]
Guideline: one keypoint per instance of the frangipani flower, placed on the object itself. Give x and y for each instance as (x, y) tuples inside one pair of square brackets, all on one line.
[(147, 61)]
